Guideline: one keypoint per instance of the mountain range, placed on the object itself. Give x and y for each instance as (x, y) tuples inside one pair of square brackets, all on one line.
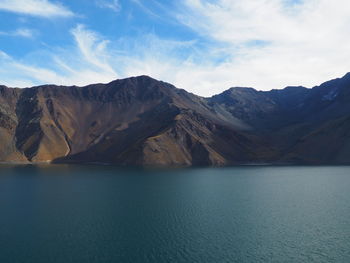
[(146, 122)]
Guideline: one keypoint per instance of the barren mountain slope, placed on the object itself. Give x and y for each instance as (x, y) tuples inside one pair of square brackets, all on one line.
[(142, 121)]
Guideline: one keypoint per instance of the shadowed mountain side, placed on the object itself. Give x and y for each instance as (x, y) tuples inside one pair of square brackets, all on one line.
[(142, 121), (260, 109), (325, 144), (174, 137)]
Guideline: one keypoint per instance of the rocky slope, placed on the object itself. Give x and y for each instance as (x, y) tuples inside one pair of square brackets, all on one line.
[(142, 121)]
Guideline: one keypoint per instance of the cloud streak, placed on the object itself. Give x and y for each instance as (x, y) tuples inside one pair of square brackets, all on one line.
[(88, 61), (40, 8), (95, 59), (20, 32), (114, 5)]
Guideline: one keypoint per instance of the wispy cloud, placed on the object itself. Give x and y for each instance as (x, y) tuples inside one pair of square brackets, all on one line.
[(114, 5), (271, 44), (41, 8), (92, 48), (95, 59), (20, 32), (146, 9), (86, 62), (24, 32)]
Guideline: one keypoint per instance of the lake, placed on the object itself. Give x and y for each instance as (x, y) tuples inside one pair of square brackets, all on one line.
[(108, 214)]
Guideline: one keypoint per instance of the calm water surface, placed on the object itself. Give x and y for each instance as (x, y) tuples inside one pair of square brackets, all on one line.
[(105, 214)]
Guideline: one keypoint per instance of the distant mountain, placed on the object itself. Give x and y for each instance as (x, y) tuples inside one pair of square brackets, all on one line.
[(142, 121)]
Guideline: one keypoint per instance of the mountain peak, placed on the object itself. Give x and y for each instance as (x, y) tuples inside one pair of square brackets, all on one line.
[(140, 78), (346, 76), (242, 89), (295, 88)]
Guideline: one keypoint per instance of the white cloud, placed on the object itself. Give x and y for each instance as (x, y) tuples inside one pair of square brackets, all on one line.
[(24, 32), (147, 9), (92, 48), (93, 59), (41, 8), (87, 62), (20, 32), (269, 44), (110, 4)]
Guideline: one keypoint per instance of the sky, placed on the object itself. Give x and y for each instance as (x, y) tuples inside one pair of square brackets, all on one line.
[(202, 46)]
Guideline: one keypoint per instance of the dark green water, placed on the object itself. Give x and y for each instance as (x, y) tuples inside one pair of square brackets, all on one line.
[(105, 214)]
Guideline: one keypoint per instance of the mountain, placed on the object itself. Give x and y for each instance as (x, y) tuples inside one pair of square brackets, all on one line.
[(142, 121)]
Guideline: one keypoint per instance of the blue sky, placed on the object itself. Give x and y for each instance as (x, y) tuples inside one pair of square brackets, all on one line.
[(203, 46)]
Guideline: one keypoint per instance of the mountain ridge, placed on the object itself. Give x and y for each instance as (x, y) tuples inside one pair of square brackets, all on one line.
[(143, 121)]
